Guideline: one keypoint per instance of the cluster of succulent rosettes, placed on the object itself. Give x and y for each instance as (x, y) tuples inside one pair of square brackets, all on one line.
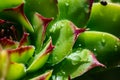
[(39, 48)]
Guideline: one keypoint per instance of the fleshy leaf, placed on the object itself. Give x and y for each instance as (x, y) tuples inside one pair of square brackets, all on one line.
[(41, 58), (21, 54), (7, 43), (10, 3), (45, 76), (105, 46), (47, 8), (4, 64), (16, 14), (115, 1), (16, 71), (24, 40), (76, 11), (40, 24), (76, 64), (64, 34), (101, 19)]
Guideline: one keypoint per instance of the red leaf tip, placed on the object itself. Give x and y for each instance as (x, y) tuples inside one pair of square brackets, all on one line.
[(24, 39), (6, 42), (20, 50), (50, 47), (78, 31), (17, 9), (95, 62), (45, 20), (2, 21)]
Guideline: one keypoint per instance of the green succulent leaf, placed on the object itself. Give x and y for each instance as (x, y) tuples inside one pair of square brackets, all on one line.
[(16, 14), (15, 71), (64, 34), (41, 58), (105, 46), (75, 50), (21, 54), (4, 63), (76, 11), (7, 44), (45, 76), (101, 19), (77, 63), (10, 3), (116, 1), (47, 8), (40, 24)]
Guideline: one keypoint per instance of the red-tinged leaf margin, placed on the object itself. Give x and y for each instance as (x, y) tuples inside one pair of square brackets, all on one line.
[(95, 62), (44, 76), (20, 10), (45, 22), (90, 3), (49, 48), (19, 50), (7, 43), (2, 21), (24, 39), (77, 30)]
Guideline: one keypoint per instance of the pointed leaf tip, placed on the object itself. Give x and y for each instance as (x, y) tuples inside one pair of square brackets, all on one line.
[(17, 9), (44, 20), (77, 31), (90, 2), (17, 13), (44, 76), (24, 39), (95, 62), (50, 47)]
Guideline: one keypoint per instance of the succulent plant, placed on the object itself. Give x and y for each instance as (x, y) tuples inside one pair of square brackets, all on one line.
[(59, 46)]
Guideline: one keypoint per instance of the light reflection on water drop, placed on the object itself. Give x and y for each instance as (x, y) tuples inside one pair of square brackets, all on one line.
[(67, 4), (80, 45), (116, 47), (94, 49), (103, 42)]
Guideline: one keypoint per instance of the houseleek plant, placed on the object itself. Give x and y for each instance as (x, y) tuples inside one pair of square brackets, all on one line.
[(57, 39)]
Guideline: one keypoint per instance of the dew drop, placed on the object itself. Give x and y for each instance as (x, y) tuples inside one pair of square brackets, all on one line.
[(94, 49), (63, 73), (75, 59), (86, 10), (118, 66), (116, 47), (103, 42), (67, 4), (55, 58), (103, 35), (58, 43), (80, 45)]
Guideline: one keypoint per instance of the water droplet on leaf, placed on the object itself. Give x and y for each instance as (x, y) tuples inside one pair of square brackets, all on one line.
[(103, 42), (94, 49), (67, 4), (80, 45), (116, 47)]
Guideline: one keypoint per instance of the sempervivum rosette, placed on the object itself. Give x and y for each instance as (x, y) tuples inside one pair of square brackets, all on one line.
[(34, 47)]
